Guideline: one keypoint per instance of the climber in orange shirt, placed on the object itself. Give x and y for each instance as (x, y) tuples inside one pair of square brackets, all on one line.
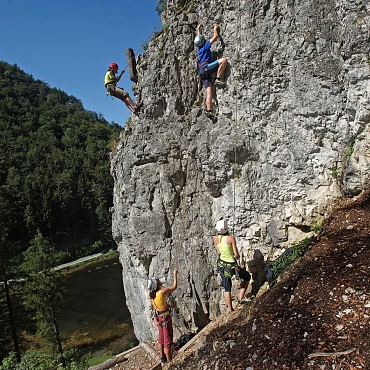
[(163, 319)]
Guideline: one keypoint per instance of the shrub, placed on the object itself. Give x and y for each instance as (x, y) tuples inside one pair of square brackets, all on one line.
[(37, 360), (161, 6)]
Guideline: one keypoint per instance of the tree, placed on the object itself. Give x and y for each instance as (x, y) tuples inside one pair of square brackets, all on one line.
[(7, 316), (161, 6), (36, 360), (54, 177), (8, 271), (43, 289)]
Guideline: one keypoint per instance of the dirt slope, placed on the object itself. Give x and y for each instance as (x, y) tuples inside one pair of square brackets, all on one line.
[(316, 317)]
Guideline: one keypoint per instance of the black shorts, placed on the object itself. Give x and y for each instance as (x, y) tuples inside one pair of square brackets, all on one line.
[(244, 274)]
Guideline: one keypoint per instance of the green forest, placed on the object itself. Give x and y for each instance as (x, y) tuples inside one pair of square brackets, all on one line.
[(55, 185)]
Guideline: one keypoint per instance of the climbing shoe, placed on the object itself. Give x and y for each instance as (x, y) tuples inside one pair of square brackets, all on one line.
[(138, 106), (210, 114), (219, 83), (246, 299), (243, 301), (164, 359)]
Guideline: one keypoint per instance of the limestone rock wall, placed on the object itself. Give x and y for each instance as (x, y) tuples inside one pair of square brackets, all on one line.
[(291, 136)]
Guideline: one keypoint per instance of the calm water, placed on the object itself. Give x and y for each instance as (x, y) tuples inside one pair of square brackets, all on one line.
[(94, 315)]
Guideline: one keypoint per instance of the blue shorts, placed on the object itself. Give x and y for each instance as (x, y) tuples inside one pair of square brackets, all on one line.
[(206, 72)]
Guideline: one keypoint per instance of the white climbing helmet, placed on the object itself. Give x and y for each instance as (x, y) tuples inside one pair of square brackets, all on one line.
[(199, 40), (152, 284), (221, 227)]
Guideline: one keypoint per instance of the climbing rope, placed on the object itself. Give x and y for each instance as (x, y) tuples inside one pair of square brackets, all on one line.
[(236, 92), (182, 230), (145, 42)]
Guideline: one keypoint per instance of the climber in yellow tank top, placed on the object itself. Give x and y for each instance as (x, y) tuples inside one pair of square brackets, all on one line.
[(227, 265), (226, 250)]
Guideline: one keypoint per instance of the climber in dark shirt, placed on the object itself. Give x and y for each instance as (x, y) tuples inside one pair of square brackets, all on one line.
[(206, 66)]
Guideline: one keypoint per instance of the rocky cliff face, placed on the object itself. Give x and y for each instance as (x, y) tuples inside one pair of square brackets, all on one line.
[(290, 137)]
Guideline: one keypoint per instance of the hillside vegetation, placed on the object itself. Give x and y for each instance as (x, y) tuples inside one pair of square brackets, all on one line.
[(54, 155), (55, 191)]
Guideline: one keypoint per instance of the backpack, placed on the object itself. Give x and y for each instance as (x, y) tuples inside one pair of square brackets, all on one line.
[(272, 270), (269, 274), (183, 340)]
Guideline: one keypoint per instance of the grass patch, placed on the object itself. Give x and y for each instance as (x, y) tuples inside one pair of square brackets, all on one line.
[(334, 171), (98, 360), (89, 338), (349, 150), (317, 228)]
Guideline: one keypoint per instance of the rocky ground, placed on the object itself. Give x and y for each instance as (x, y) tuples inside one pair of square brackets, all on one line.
[(316, 317)]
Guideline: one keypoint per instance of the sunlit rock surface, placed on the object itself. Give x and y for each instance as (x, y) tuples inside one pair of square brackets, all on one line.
[(291, 136)]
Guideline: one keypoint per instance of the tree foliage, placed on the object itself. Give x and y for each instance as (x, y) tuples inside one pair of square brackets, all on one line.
[(54, 162), (43, 290), (161, 6), (9, 270), (36, 360), (54, 182)]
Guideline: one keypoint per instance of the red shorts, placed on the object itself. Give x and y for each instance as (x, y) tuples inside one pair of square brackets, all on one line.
[(165, 331)]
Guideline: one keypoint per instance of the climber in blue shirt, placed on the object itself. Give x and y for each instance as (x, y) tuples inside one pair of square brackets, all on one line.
[(206, 66)]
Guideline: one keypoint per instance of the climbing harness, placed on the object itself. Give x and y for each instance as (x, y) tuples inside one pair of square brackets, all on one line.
[(164, 314), (235, 169), (111, 87), (226, 268)]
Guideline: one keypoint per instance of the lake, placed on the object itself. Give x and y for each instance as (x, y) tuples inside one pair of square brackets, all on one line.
[(94, 316)]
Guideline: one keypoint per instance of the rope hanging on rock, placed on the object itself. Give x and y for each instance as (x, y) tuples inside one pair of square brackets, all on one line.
[(236, 170), (183, 203), (130, 54)]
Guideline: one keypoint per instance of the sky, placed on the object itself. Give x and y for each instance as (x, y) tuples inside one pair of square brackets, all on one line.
[(69, 44)]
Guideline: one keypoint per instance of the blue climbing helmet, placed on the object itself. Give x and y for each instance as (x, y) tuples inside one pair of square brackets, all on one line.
[(199, 40)]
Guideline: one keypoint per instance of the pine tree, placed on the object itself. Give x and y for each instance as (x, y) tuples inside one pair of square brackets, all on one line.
[(8, 271), (44, 290)]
